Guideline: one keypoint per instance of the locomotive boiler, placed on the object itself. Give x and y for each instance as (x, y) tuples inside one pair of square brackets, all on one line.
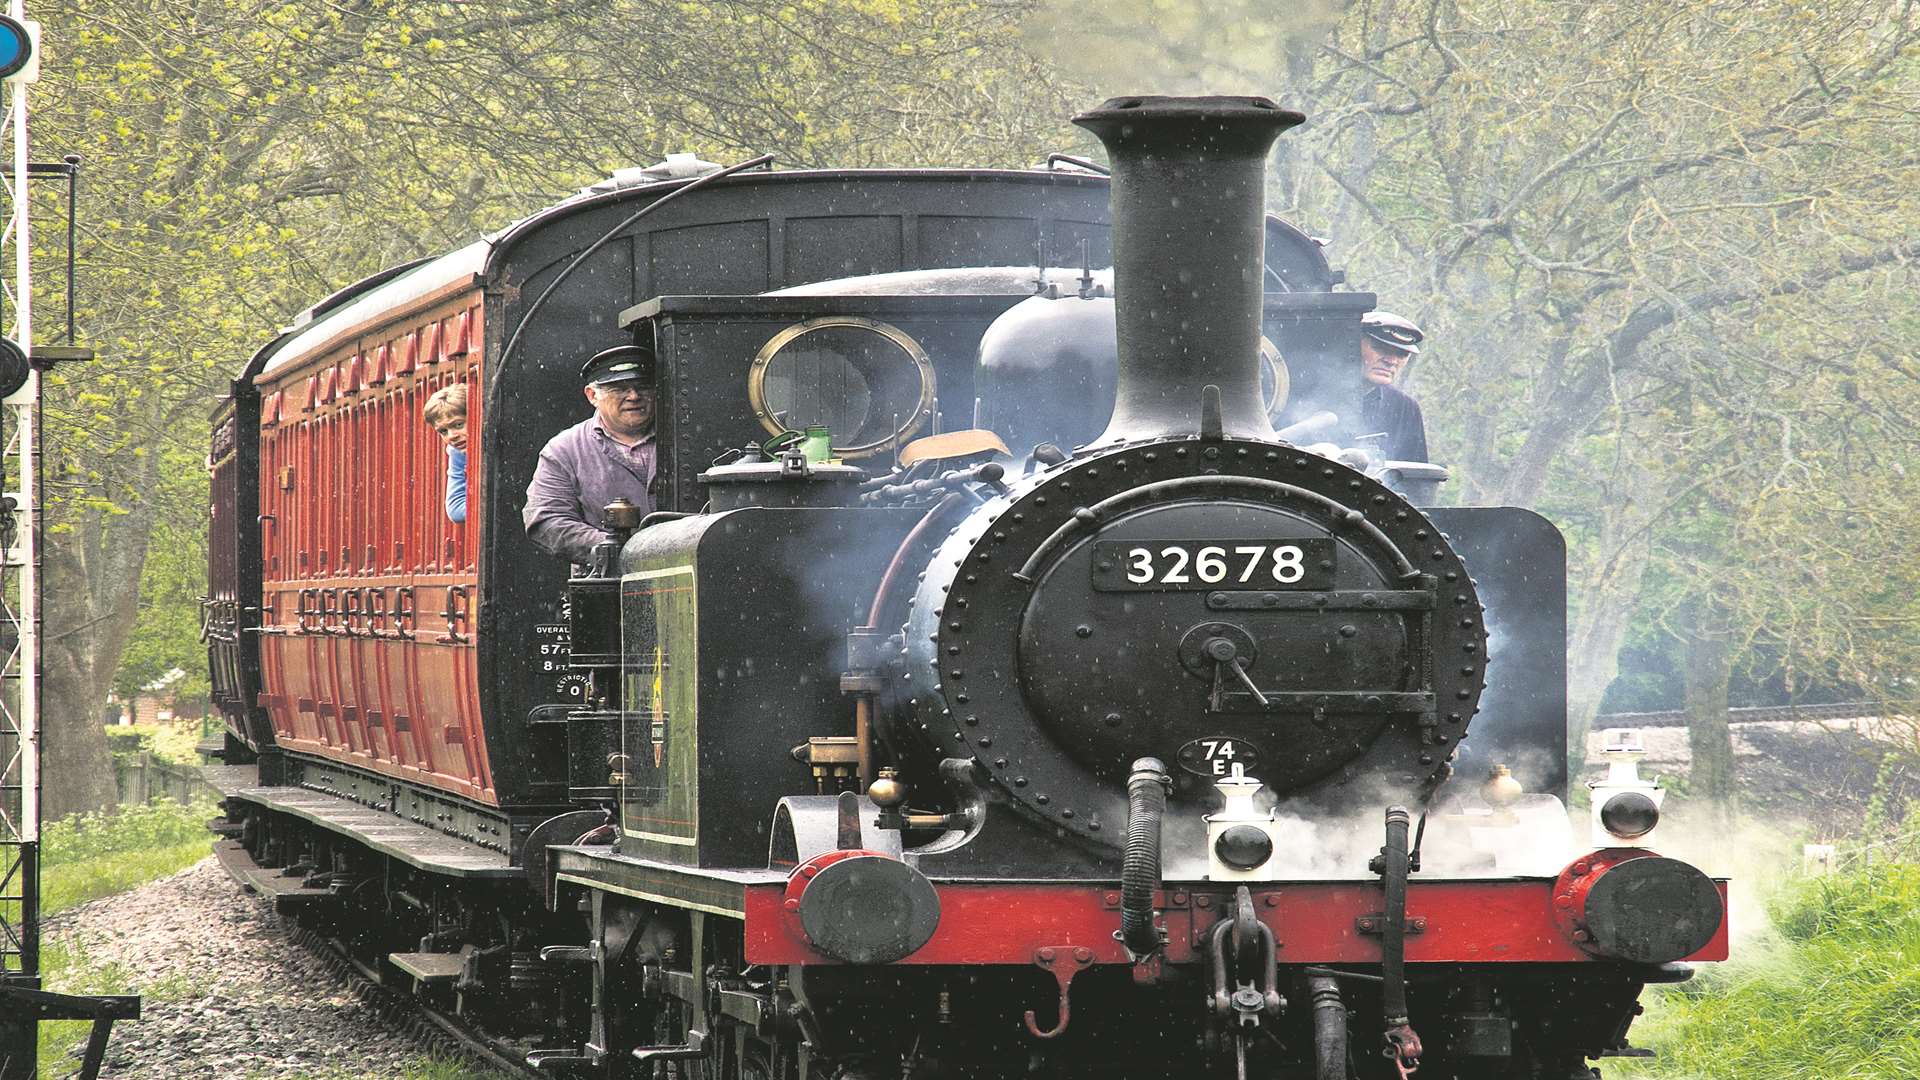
[(1160, 749)]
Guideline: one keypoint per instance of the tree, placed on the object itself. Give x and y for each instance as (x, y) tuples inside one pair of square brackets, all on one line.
[(166, 632)]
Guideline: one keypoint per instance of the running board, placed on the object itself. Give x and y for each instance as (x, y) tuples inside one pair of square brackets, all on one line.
[(384, 832), (429, 969), (288, 893)]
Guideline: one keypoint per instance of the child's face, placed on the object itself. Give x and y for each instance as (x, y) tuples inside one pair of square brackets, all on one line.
[(453, 429)]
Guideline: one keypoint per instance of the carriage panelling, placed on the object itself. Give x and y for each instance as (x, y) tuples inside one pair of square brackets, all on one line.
[(370, 657)]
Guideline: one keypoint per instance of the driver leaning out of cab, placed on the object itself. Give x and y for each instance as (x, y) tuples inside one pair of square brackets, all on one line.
[(610, 455)]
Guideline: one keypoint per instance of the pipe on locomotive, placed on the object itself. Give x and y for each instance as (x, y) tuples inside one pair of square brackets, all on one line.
[(1329, 1028), (1189, 238), (1140, 872)]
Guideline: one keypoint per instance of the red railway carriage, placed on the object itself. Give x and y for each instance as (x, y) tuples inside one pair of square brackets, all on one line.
[(368, 590), (365, 590)]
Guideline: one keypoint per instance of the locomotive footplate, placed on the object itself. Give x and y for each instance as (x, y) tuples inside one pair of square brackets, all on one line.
[(714, 891)]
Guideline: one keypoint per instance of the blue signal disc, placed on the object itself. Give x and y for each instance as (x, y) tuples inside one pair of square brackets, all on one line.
[(16, 48)]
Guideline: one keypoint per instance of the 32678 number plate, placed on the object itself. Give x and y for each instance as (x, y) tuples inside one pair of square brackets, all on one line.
[(1162, 565)]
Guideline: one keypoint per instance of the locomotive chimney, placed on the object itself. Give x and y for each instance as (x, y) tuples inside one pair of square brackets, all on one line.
[(1189, 190)]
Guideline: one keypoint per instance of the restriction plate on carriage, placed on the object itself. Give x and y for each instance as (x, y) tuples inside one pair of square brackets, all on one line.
[(1175, 565)]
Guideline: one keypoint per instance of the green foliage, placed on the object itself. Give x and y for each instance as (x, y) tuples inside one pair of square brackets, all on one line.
[(166, 632), (1676, 786), (1879, 900), (161, 823), (1877, 803)]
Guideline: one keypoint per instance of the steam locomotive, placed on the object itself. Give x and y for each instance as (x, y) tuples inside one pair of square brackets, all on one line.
[(942, 719)]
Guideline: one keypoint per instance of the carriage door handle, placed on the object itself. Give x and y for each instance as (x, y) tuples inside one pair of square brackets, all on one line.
[(404, 614), (455, 613)]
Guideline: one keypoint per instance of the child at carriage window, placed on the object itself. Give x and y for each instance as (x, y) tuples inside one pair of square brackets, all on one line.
[(446, 413)]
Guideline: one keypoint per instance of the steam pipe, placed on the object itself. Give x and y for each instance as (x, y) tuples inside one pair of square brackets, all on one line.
[(896, 566), (1189, 235), (1402, 1043), (1140, 873), (1329, 1029), (1393, 935)]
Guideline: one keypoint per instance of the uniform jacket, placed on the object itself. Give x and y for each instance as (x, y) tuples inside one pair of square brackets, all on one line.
[(581, 470), (1383, 408)]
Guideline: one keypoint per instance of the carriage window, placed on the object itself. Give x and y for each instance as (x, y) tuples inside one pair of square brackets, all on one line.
[(867, 382)]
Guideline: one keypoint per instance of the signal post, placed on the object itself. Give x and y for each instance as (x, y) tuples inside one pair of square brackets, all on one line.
[(23, 1001)]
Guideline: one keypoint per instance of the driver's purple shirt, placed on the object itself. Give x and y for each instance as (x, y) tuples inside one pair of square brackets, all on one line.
[(581, 470)]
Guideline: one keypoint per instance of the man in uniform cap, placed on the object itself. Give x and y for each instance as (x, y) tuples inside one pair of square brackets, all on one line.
[(608, 455), (1387, 343)]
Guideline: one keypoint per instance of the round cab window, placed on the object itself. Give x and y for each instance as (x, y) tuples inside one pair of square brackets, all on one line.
[(1274, 378), (867, 383)]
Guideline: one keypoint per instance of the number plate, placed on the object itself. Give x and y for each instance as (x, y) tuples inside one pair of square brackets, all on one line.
[(1207, 565), (1217, 755)]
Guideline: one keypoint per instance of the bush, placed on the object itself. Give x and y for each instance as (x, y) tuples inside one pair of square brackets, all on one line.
[(163, 823)]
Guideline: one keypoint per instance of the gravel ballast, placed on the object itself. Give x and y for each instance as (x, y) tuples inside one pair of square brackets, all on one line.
[(226, 992)]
